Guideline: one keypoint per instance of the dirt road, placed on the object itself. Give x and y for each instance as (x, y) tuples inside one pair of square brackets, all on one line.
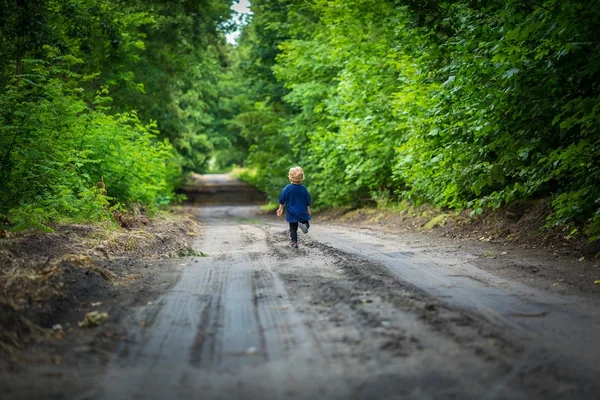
[(351, 314)]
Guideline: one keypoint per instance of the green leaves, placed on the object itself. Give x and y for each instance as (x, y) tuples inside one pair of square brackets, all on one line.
[(67, 148), (455, 104), (62, 158)]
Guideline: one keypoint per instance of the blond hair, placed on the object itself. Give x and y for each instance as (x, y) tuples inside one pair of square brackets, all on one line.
[(296, 175)]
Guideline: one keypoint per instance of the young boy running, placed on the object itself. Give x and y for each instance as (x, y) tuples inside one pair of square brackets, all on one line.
[(296, 199)]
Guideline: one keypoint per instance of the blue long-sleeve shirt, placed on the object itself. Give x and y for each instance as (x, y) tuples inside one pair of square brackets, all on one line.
[(296, 199)]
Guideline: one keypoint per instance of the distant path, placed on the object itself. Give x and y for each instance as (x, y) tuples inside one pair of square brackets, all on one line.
[(220, 189)]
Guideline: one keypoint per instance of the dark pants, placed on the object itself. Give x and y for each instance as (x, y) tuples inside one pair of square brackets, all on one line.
[(294, 230)]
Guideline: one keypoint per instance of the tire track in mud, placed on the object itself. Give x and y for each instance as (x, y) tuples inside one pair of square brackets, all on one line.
[(361, 298), (203, 348), (563, 321), (359, 315), (240, 318)]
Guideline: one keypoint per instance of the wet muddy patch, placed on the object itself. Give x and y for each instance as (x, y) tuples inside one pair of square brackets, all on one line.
[(366, 313)]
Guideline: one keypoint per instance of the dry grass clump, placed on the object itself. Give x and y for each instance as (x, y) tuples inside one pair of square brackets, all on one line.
[(15, 327), (27, 284)]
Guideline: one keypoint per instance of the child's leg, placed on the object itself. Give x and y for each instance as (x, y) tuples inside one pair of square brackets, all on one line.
[(294, 231), (304, 225)]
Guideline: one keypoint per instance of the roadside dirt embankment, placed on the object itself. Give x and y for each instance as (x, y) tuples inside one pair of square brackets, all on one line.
[(49, 281)]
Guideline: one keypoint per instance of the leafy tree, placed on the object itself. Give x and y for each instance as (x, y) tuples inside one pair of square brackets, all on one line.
[(67, 149), (456, 103)]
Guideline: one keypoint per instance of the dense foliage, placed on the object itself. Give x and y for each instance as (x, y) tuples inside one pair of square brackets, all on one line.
[(104, 103), (462, 104)]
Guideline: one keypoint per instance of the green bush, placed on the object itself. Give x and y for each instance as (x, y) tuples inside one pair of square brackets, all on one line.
[(63, 158), (459, 104)]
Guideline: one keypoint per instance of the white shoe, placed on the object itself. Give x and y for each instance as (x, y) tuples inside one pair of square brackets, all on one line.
[(302, 227)]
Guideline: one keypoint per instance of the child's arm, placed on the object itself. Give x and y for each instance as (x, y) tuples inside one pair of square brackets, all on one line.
[(280, 210), (309, 212)]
